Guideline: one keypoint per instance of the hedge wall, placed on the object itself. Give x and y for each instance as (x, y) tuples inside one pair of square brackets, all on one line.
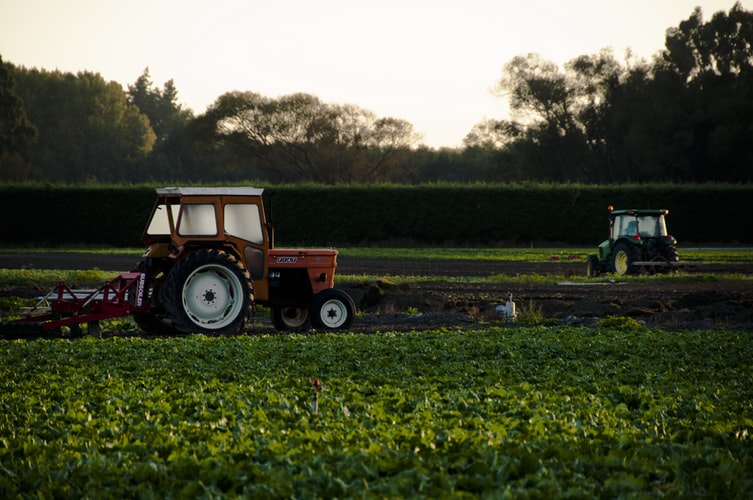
[(369, 215)]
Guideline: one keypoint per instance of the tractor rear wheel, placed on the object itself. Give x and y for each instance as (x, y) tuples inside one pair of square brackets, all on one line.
[(208, 291), (670, 253), (332, 309), (290, 318), (153, 322), (623, 256)]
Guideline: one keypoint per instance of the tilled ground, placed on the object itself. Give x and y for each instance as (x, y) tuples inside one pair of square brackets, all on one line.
[(391, 304), (677, 304)]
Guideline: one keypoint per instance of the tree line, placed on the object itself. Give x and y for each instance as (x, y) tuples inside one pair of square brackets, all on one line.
[(684, 116)]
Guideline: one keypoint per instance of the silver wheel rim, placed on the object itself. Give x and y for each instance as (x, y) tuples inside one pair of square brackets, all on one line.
[(212, 296), (333, 313)]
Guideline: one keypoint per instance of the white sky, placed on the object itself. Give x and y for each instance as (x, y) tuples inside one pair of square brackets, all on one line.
[(430, 62)]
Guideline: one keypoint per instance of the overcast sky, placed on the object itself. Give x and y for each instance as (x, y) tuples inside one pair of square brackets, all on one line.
[(430, 62)]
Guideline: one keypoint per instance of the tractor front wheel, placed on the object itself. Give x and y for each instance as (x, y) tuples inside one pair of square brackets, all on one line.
[(593, 268), (208, 291), (332, 309), (623, 256), (290, 318)]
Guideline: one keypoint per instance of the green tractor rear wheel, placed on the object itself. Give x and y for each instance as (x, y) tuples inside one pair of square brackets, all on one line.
[(623, 257)]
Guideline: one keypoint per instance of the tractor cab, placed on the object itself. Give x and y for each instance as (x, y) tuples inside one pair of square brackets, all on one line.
[(638, 240), (638, 224)]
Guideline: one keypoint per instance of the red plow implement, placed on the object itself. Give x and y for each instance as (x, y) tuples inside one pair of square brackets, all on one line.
[(66, 307)]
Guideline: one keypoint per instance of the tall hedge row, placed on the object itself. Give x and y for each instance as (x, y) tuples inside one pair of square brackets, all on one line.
[(359, 215)]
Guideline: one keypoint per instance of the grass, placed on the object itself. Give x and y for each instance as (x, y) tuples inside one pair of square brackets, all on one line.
[(711, 255), (716, 255), (85, 250), (47, 278), (481, 254)]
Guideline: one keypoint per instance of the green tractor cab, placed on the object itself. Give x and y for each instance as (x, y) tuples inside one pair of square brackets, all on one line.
[(638, 241)]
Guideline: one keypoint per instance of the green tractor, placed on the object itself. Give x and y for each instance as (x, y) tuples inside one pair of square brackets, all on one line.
[(638, 242)]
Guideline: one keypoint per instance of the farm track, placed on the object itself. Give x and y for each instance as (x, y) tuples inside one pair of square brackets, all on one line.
[(672, 305)]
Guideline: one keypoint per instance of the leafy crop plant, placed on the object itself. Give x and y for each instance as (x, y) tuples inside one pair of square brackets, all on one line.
[(522, 412)]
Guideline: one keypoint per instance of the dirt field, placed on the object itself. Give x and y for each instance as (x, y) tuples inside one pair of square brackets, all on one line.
[(674, 305), (677, 304)]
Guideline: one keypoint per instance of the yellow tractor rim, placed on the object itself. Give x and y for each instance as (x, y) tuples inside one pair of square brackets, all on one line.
[(621, 262)]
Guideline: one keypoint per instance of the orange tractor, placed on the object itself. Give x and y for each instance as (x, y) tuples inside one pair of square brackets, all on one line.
[(210, 258)]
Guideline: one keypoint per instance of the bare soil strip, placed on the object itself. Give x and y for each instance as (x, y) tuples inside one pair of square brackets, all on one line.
[(671, 305)]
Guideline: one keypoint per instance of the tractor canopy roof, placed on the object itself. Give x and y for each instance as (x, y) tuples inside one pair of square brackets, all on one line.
[(209, 191), (639, 212)]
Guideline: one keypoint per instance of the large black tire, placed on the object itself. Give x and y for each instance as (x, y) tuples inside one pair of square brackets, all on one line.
[(155, 321), (593, 267), (290, 318), (623, 256), (670, 253), (332, 309), (208, 291)]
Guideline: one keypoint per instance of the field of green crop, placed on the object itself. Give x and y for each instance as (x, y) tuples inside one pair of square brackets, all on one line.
[(502, 412)]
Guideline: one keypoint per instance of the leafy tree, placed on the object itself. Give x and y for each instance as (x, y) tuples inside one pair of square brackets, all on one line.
[(689, 116), (713, 62), (165, 114), (171, 156), (686, 116), (87, 129), (16, 132), (551, 107)]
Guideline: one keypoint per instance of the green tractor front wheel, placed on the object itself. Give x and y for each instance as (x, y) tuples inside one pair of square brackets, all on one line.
[(593, 267)]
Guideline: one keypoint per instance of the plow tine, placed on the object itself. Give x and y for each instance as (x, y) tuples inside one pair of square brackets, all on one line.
[(44, 299)]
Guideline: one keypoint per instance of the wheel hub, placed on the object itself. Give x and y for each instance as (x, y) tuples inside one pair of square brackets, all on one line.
[(333, 313), (211, 297)]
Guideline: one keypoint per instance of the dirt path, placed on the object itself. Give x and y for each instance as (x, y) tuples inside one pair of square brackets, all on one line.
[(677, 304)]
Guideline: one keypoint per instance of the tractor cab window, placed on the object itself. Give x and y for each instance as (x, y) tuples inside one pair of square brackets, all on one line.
[(624, 225), (651, 225), (160, 224), (244, 221), (197, 219), (647, 226)]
